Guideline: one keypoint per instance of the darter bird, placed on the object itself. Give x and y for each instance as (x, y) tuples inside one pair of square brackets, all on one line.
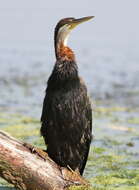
[(67, 115)]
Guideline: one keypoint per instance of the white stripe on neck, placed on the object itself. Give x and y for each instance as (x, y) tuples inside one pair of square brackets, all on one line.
[(63, 35)]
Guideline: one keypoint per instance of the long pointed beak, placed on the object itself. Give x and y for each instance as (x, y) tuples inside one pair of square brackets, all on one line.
[(79, 21)]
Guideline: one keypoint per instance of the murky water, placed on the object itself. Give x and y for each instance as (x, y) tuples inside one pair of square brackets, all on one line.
[(110, 75), (108, 59)]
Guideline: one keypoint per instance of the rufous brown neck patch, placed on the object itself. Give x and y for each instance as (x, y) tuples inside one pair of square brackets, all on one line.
[(65, 53)]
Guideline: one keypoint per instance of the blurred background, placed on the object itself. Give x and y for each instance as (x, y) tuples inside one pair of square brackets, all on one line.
[(106, 48), (107, 53)]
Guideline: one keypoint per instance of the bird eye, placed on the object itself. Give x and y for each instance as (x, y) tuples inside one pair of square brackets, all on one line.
[(71, 19)]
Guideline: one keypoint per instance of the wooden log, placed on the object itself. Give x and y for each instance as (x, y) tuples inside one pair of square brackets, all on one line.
[(29, 168)]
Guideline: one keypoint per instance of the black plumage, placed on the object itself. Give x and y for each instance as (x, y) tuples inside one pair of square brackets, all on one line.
[(67, 114)]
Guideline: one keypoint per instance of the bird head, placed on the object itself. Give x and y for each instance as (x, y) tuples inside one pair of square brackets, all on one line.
[(64, 27)]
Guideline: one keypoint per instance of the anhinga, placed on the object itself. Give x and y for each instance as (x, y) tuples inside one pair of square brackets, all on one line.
[(67, 114)]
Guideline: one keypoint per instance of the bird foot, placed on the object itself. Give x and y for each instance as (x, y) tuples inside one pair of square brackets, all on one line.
[(34, 150), (74, 176), (76, 171)]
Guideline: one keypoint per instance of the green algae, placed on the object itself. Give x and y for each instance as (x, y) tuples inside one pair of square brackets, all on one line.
[(114, 154), (81, 188), (133, 120), (98, 150), (113, 160)]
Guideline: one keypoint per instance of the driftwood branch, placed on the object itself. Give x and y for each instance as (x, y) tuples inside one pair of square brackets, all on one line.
[(32, 170)]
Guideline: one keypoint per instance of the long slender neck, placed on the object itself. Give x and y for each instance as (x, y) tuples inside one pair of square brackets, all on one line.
[(65, 70), (63, 52)]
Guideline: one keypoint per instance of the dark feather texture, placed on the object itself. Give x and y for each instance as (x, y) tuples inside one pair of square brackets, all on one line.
[(67, 117)]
